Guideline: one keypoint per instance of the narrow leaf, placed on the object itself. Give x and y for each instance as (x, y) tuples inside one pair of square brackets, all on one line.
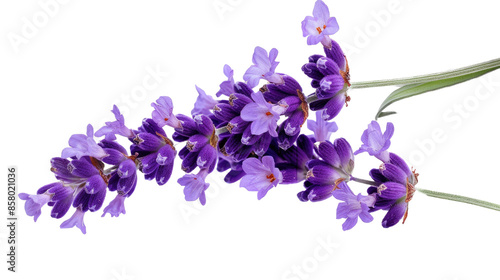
[(419, 88)]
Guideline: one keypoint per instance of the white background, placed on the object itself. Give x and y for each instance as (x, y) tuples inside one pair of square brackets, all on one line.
[(90, 55)]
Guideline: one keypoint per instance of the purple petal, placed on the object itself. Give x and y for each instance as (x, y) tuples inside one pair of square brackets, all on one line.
[(206, 157), (61, 207), (233, 176), (203, 104), (312, 71), (204, 124), (392, 190), (327, 66), (345, 153), (115, 207), (95, 184), (162, 113), (116, 127), (331, 26), (83, 145), (247, 138), (399, 162), (114, 157), (330, 86), (334, 106), (320, 193), (34, 203), (96, 200), (262, 192), (336, 53), (394, 214), (393, 173), (163, 174), (349, 223), (321, 11), (224, 112), (254, 166), (263, 144), (196, 142), (82, 168), (126, 169), (76, 220)]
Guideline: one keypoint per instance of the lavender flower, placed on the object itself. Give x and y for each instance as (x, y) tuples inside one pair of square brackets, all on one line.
[(294, 106), (124, 178), (200, 150), (375, 143), (292, 162), (204, 103), (83, 145), (394, 190), (116, 127), (322, 129), (260, 176), (76, 220), (354, 206), (116, 206), (331, 83), (34, 203), (227, 87), (195, 186), (263, 116), (56, 195), (162, 113), (263, 67), (318, 27), (325, 174)]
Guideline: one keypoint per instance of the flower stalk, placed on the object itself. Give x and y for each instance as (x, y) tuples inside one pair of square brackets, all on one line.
[(459, 198), (491, 64)]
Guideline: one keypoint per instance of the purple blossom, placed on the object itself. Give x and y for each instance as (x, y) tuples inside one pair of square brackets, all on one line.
[(204, 103), (264, 116), (322, 129), (292, 162), (200, 150), (162, 113), (354, 206), (76, 220), (375, 143), (34, 203), (155, 152), (331, 83), (264, 67), (56, 195), (116, 206), (124, 178), (195, 186), (325, 174), (320, 25), (294, 106), (260, 176), (394, 190), (116, 127), (227, 87), (83, 145)]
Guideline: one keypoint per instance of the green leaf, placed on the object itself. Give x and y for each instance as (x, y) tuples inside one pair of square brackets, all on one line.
[(419, 88)]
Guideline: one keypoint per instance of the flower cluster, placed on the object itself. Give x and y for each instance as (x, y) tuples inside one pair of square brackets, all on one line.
[(253, 133)]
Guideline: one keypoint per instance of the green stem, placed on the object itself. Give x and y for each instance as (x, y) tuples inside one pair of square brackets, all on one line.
[(311, 98), (363, 181), (460, 198), (495, 63), (221, 130)]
